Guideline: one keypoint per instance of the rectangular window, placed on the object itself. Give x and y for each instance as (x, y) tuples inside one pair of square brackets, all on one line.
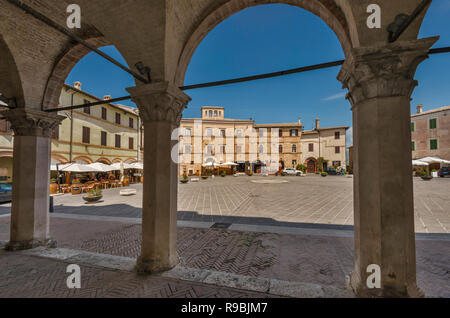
[(280, 149), (413, 126), (337, 149), (131, 143), (294, 132), (433, 123), (117, 118), (337, 135), (86, 135), (433, 144), (336, 163), (311, 147), (223, 133), (294, 163), (239, 150), (117, 141), (413, 146), (188, 132), (239, 132), (261, 132), (209, 132), (294, 148), (222, 150), (280, 133), (104, 113), (131, 123), (87, 110), (187, 149), (104, 138)]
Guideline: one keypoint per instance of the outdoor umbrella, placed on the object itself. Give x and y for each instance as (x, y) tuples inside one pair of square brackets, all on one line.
[(101, 167), (434, 160), (226, 164), (121, 166), (419, 163), (137, 165), (76, 167), (59, 166)]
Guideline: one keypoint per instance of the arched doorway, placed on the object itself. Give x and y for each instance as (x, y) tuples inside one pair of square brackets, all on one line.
[(311, 164)]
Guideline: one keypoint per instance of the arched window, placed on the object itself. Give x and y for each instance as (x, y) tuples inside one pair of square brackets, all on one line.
[(215, 113), (210, 113)]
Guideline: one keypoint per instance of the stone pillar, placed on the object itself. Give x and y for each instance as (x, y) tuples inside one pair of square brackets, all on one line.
[(31, 171), (380, 82), (160, 106)]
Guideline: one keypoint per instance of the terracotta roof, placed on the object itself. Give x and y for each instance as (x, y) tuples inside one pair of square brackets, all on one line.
[(437, 110), (325, 128), (278, 125), (128, 109)]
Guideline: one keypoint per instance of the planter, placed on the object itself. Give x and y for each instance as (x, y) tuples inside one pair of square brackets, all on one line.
[(184, 181), (427, 178), (53, 188), (205, 177), (92, 199)]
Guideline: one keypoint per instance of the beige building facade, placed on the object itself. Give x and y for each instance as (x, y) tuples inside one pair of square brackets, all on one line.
[(107, 133), (211, 141)]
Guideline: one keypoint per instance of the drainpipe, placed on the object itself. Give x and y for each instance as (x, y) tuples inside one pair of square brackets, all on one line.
[(71, 129), (138, 139)]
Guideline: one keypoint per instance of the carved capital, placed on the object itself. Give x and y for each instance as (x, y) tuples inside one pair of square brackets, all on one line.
[(30, 122), (383, 71), (160, 102)]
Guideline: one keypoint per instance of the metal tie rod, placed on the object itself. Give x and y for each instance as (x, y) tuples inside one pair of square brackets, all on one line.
[(238, 80), (56, 26)]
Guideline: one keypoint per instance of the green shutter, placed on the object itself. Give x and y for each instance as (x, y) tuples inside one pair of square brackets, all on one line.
[(433, 123), (412, 127), (413, 146), (433, 144)]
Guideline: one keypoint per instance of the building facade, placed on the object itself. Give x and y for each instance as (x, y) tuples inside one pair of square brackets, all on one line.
[(430, 132), (256, 148), (107, 133)]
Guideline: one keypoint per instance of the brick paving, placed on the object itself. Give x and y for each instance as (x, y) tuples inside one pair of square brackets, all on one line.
[(312, 259), (33, 277)]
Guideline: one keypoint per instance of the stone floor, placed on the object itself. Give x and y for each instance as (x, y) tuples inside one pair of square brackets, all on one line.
[(304, 201), (296, 232), (318, 259)]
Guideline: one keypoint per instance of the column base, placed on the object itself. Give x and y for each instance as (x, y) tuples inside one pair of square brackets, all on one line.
[(154, 266), (360, 290), (28, 245)]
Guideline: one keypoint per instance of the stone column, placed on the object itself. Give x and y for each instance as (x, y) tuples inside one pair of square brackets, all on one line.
[(160, 106), (380, 82), (31, 171)]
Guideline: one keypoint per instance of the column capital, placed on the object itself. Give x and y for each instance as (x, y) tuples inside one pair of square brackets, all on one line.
[(31, 122), (160, 102), (384, 71)]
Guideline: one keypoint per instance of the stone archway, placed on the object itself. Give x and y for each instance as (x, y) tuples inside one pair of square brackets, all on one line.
[(328, 11), (311, 164), (83, 159), (105, 161)]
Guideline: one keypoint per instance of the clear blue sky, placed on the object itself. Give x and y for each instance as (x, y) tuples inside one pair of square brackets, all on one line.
[(270, 38)]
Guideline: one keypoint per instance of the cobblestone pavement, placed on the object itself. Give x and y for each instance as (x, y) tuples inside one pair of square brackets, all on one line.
[(312, 259), (299, 202)]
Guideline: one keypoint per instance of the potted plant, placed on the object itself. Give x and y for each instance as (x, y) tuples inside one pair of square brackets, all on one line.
[(223, 174), (324, 174), (205, 177), (434, 173), (425, 176), (93, 195), (184, 179)]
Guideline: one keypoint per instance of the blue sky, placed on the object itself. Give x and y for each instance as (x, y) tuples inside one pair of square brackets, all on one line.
[(270, 38)]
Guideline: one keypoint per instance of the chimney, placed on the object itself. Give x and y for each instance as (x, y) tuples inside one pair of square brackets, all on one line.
[(420, 108), (77, 85), (107, 97), (299, 121), (317, 124)]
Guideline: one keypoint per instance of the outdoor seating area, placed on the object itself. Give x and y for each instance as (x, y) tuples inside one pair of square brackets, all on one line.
[(78, 178), (429, 167)]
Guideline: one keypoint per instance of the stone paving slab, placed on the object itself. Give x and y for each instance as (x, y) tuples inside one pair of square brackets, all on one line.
[(300, 202)]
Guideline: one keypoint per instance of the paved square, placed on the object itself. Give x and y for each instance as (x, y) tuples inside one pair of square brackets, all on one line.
[(311, 201)]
